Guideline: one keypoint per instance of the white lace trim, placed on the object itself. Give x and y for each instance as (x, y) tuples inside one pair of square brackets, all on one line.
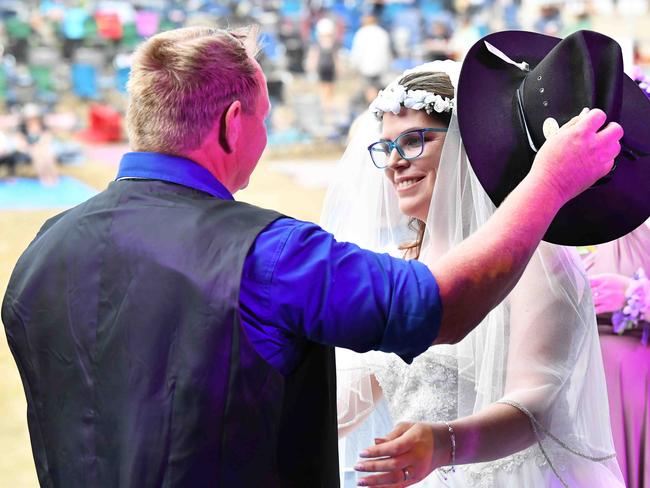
[(482, 475)]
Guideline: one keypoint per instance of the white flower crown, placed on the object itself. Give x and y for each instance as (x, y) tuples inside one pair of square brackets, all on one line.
[(394, 96)]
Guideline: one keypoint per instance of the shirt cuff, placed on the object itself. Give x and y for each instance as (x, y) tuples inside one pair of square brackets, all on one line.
[(414, 318)]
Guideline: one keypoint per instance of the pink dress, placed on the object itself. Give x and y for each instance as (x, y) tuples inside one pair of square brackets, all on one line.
[(627, 362)]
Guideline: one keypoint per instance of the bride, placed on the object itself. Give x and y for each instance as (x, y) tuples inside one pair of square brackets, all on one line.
[(521, 401)]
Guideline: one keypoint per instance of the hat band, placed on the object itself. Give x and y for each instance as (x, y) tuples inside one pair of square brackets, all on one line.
[(630, 152), (626, 151), (522, 116)]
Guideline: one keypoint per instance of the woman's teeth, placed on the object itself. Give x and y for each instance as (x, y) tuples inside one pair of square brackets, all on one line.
[(406, 183)]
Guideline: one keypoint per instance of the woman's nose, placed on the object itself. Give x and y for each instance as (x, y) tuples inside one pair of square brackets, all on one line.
[(396, 160)]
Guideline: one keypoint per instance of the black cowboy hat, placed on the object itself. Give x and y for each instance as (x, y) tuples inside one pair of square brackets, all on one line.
[(506, 107)]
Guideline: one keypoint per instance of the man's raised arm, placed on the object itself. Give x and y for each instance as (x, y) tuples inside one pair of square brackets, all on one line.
[(476, 275)]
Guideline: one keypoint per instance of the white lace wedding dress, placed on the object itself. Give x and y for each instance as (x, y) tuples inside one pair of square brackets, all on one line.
[(553, 373)]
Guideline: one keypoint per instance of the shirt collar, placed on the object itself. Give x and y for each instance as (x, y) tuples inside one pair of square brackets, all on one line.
[(173, 169)]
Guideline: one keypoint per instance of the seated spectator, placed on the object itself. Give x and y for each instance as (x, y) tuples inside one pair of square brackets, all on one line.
[(35, 141)]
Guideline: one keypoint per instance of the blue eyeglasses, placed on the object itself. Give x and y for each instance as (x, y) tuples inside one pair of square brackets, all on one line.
[(409, 145)]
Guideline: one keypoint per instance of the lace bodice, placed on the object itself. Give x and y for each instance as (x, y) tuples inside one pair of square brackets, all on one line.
[(425, 391)]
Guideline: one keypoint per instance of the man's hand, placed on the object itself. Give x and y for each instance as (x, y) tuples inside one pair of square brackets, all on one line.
[(578, 155), (405, 456), (608, 290)]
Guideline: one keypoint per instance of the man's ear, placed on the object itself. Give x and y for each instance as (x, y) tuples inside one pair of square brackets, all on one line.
[(231, 126)]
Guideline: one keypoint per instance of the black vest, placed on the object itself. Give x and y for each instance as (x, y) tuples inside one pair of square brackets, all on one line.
[(122, 316)]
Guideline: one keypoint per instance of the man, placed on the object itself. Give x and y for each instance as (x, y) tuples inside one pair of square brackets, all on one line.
[(168, 335)]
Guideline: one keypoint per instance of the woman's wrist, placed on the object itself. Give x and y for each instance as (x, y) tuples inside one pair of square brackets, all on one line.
[(443, 445)]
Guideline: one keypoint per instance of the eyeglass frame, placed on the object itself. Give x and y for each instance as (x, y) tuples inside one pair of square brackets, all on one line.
[(392, 145)]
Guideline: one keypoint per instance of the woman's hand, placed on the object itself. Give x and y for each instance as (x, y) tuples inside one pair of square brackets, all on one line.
[(405, 456), (609, 291)]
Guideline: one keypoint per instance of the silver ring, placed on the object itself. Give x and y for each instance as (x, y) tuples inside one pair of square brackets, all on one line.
[(405, 472)]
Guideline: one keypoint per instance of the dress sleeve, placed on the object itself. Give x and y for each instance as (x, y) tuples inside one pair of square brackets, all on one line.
[(547, 333), (554, 371), (299, 284)]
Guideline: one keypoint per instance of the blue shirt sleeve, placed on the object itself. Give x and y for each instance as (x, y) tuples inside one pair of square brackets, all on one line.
[(299, 284)]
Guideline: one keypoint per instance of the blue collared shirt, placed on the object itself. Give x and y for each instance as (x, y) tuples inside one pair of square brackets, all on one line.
[(299, 284)]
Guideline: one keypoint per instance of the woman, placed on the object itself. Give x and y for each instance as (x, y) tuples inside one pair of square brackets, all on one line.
[(612, 268), (521, 401), (615, 271)]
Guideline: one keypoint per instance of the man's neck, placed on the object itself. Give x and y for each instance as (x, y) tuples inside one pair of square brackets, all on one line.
[(216, 164)]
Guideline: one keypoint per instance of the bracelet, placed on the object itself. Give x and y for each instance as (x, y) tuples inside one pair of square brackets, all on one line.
[(635, 302), (452, 436)]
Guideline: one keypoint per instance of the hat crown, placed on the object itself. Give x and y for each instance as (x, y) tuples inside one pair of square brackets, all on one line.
[(583, 70)]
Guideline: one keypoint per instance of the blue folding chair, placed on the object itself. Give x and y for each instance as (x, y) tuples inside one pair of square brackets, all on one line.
[(84, 81)]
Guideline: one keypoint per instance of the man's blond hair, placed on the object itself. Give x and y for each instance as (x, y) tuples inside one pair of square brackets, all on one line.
[(180, 83)]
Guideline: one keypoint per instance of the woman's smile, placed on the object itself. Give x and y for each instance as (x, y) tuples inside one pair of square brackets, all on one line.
[(406, 184)]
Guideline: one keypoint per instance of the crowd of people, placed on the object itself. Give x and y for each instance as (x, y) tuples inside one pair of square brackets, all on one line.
[(63, 53)]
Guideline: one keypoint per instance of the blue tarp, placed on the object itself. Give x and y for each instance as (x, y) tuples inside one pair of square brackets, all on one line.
[(30, 194)]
